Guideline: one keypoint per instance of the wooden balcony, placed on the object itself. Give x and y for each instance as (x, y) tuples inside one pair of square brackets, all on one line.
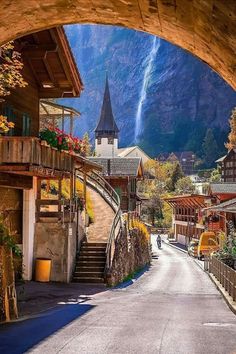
[(26, 155)]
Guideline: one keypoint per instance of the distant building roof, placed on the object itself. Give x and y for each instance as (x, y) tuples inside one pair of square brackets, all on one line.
[(224, 187), (106, 122), (179, 155), (119, 166), (123, 152)]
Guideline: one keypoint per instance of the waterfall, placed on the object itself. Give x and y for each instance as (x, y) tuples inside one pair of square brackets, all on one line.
[(147, 72)]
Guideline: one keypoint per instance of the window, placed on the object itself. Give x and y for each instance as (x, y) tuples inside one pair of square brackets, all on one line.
[(11, 117), (26, 125), (99, 141), (110, 141)]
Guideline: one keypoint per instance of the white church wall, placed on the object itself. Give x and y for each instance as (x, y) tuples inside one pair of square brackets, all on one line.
[(106, 150)]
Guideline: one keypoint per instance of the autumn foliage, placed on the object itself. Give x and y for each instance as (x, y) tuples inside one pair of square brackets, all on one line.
[(11, 67), (231, 144)]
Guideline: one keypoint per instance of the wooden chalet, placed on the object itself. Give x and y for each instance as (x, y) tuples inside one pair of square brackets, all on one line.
[(51, 72), (227, 165), (187, 216), (123, 174)]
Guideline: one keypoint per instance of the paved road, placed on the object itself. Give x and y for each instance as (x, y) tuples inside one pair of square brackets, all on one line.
[(172, 308)]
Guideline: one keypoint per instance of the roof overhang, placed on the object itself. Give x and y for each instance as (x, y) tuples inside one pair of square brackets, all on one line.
[(50, 58)]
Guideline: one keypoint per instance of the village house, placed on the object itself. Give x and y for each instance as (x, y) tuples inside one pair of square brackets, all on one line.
[(42, 228), (122, 172), (186, 160), (187, 216), (227, 165)]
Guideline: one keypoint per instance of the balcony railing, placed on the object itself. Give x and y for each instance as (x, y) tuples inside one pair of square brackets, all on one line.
[(30, 151)]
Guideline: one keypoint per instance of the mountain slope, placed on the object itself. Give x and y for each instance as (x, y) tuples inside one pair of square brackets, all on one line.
[(183, 95)]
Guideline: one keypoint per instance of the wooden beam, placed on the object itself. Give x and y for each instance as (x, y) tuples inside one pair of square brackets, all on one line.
[(14, 181), (38, 51), (52, 92)]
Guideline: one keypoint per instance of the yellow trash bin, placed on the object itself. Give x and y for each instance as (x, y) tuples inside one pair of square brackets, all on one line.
[(42, 269)]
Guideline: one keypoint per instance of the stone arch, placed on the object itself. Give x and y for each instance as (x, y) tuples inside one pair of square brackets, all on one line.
[(207, 29)]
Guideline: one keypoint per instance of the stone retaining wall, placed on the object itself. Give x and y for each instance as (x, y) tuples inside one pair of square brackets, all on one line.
[(132, 252)]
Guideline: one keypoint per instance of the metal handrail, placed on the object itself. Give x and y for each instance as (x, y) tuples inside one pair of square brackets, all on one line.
[(99, 183)]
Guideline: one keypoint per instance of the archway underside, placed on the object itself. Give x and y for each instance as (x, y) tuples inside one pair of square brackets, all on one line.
[(207, 29)]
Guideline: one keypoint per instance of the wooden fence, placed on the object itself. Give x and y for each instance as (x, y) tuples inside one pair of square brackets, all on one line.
[(224, 274)]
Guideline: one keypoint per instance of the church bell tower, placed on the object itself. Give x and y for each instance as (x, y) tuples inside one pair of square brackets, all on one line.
[(106, 132)]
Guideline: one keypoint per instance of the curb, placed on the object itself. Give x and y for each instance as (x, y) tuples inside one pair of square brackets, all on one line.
[(177, 248)]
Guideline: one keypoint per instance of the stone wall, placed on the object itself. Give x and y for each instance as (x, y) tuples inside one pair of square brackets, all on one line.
[(58, 243), (132, 252), (204, 28), (8, 303)]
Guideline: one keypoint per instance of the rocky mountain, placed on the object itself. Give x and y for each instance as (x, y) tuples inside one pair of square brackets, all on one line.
[(163, 98)]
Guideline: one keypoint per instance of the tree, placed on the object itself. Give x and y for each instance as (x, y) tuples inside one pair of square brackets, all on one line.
[(175, 176), (154, 204), (210, 148), (184, 186), (232, 135), (10, 69), (215, 175), (86, 147)]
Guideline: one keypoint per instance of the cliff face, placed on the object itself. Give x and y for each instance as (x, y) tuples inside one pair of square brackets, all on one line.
[(183, 96)]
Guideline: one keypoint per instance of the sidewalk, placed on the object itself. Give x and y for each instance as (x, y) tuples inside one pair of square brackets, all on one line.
[(34, 297)]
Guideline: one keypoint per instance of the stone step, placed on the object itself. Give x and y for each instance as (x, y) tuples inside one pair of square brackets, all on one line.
[(92, 253), (90, 263), (88, 280), (89, 268), (94, 244), (88, 275), (92, 248)]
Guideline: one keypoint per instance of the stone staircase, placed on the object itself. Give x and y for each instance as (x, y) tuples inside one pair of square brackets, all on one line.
[(91, 260), (90, 263)]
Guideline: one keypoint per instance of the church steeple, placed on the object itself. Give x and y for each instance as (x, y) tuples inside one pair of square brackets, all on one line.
[(106, 132), (106, 126)]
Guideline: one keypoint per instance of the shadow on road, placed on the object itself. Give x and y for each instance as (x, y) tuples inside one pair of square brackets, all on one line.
[(17, 338), (132, 279)]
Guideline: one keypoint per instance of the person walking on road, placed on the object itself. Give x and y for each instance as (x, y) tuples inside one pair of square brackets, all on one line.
[(159, 241)]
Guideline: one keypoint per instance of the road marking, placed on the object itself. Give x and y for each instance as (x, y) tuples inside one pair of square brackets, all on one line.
[(216, 324)]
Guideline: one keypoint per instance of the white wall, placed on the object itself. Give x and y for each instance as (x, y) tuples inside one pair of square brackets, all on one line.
[(106, 150), (29, 197)]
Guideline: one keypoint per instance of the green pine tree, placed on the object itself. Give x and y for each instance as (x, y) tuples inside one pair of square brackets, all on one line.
[(175, 176), (209, 148)]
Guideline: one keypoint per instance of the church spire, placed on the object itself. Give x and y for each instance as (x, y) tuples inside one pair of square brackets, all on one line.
[(106, 126)]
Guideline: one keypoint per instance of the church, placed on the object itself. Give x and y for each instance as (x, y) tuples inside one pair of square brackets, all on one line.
[(121, 172)]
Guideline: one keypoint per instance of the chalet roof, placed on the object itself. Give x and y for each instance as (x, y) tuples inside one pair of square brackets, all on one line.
[(51, 60), (123, 152), (223, 188), (106, 121), (188, 200), (119, 166), (228, 206), (221, 159)]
